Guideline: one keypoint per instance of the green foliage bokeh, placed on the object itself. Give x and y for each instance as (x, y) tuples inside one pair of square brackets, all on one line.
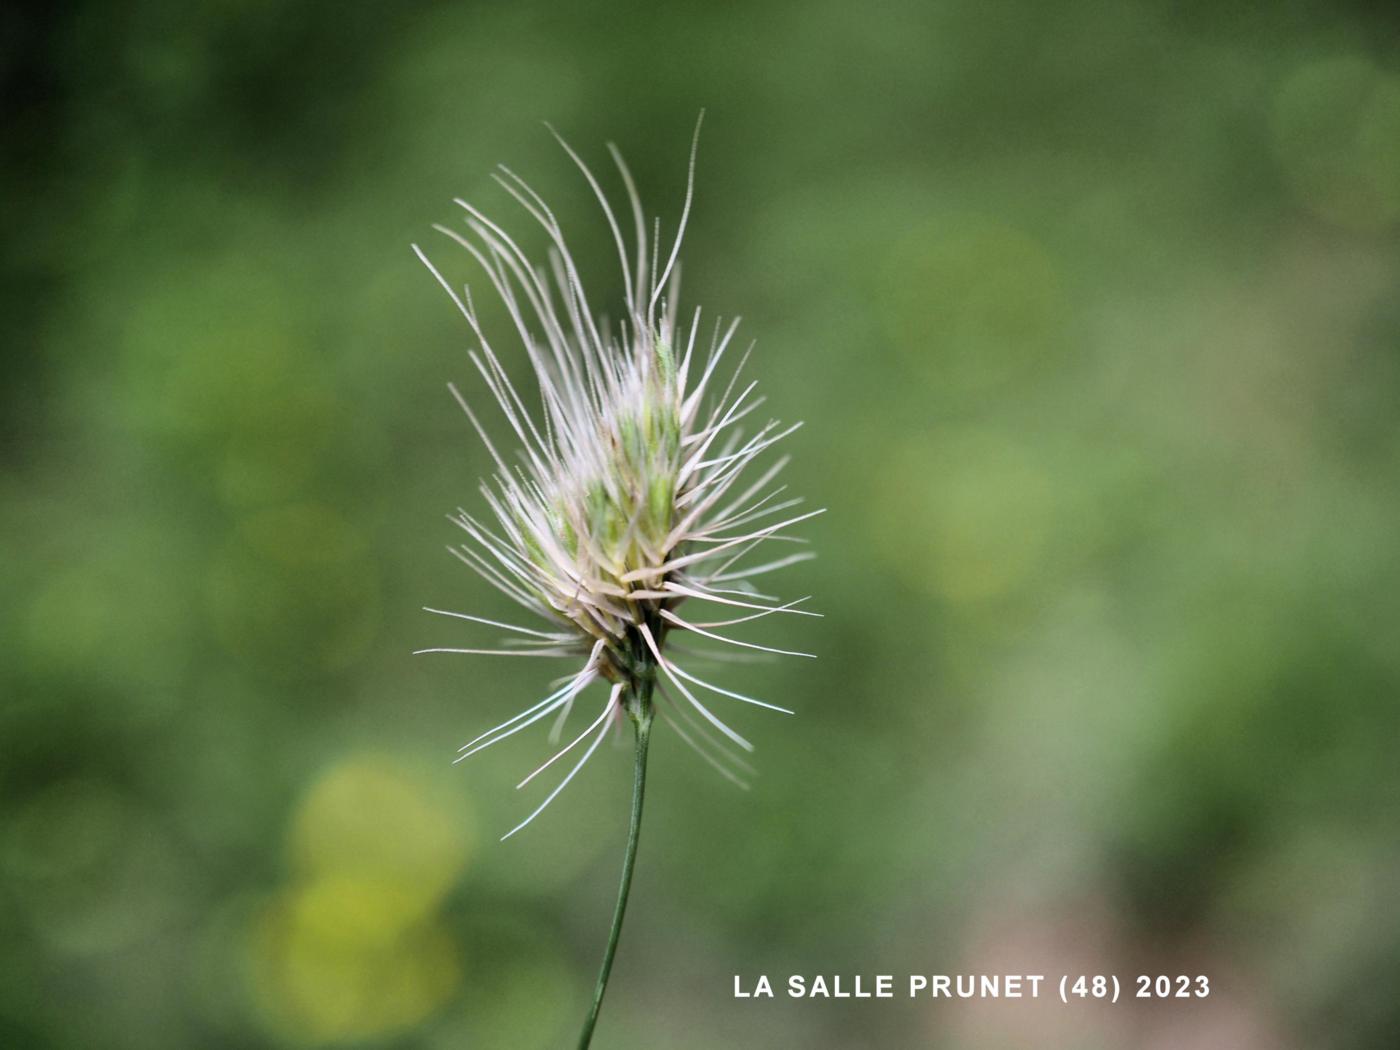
[(1091, 312)]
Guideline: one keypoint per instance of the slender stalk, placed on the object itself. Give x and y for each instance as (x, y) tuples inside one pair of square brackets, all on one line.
[(638, 706)]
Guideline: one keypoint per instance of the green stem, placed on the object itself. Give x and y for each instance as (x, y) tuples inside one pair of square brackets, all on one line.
[(639, 708)]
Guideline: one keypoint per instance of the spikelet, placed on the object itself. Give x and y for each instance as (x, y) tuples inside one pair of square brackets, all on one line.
[(631, 494)]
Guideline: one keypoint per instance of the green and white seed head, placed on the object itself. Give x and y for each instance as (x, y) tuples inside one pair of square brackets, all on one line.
[(637, 487)]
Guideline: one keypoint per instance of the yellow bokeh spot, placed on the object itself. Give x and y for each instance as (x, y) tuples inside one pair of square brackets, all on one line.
[(335, 961), (355, 948), (368, 820)]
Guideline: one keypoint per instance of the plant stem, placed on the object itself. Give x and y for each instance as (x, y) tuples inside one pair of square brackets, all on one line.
[(639, 708)]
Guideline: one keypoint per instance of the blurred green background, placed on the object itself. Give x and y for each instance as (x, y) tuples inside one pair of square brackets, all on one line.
[(1091, 311)]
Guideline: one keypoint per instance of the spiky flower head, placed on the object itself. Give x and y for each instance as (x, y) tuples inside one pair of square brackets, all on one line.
[(630, 496)]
